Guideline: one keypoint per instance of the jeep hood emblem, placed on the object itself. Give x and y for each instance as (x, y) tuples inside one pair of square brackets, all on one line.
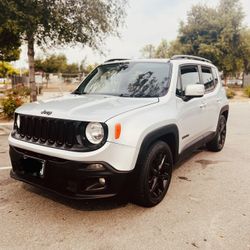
[(45, 112)]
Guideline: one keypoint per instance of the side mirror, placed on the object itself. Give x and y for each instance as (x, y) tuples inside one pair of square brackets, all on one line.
[(195, 90)]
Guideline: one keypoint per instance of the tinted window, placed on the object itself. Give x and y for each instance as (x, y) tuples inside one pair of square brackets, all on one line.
[(208, 78), (189, 75), (136, 79)]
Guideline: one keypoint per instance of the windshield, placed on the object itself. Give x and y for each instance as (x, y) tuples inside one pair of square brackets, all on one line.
[(136, 79)]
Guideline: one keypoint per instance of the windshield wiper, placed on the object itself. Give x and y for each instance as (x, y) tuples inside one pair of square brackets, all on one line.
[(136, 96), (78, 92), (124, 95)]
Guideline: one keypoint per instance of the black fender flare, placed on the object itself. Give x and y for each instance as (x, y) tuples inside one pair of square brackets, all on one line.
[(223, 109), (159, 134)]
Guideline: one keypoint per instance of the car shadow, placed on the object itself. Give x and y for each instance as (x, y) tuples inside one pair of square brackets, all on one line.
[(188, 157), (82, 205)]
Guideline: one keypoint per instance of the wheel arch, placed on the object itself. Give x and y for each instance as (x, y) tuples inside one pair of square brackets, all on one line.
[(168, 134), (225, 111)]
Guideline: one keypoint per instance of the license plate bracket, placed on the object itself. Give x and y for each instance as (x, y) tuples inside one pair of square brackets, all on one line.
[(33, 166)]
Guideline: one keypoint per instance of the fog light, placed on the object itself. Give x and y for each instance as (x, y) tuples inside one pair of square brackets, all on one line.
[(102, 181), (95, 167)]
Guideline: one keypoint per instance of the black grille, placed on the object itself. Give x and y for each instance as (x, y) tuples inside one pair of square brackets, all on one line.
[(51, 132)]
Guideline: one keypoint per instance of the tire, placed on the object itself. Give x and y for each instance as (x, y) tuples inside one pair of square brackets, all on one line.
[(155, 175), (218, 141)]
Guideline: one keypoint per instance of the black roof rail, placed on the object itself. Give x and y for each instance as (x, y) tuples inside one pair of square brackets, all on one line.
[(116, 59), (190, 57)]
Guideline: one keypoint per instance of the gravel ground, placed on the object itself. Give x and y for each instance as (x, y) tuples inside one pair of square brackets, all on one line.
[(207, 206)]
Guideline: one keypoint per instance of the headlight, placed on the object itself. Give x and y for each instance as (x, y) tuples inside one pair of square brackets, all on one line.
[(18, 121), (94, 132)]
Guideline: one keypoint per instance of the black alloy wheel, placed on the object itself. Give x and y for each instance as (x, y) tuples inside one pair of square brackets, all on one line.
[(155, 175), (218, 141), (159, 175), (222, 130)]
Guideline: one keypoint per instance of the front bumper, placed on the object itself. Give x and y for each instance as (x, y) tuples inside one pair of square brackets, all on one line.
[(68, 178), (121, 157)]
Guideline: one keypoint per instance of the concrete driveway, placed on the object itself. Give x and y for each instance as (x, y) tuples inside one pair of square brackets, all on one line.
[(207, 206)]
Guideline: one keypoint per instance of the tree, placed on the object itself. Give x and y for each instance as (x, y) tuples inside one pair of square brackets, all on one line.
[(56, 64), (148, 51), (6, 69), (199, 35), (9, 38), (231, 19), (215, 33), (51, 64), (245, 51), (164, 49), (161, 50), (175, 48), (39, 65), (9, 45), (50, 22), (89, 68), (71, 68)]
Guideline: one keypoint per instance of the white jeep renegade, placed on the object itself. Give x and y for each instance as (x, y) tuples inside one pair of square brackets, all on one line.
[(122, 129)]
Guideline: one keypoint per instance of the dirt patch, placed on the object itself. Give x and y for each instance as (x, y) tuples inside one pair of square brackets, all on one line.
[(206, 163), (4, 200)]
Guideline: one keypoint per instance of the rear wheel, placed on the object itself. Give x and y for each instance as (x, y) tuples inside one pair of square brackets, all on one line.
[(155, 175), (218, 142)]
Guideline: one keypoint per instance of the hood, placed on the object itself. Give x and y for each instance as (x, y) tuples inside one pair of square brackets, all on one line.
[(85, 107)]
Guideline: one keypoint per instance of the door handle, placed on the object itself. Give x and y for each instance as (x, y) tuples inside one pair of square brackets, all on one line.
[(219, 100)]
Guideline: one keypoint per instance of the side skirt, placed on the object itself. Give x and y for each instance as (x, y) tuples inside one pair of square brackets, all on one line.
[(199, 142)]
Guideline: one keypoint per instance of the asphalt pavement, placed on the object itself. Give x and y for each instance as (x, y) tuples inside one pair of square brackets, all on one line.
[(207, 206)]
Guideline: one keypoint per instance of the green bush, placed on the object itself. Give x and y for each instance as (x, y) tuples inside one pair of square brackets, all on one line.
[(230, 93), (10, 104), (247, 91), (14, 98)]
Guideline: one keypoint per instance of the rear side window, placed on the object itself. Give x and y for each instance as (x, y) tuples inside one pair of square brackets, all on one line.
[(208, 79), (189, 75)]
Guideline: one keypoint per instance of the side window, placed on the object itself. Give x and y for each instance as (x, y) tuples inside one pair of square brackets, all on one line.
[(189, 75), (208, 78)]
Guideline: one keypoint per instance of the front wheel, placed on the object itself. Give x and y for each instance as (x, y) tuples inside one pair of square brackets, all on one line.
[(218, 141), (155, 175)]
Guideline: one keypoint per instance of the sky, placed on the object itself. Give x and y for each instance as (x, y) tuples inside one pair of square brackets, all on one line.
[(147, 22)]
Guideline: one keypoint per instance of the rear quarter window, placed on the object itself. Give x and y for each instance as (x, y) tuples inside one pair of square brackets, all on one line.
[(208, 78)]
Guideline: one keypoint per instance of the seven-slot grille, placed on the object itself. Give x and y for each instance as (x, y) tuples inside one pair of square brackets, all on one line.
[(50, 132)]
